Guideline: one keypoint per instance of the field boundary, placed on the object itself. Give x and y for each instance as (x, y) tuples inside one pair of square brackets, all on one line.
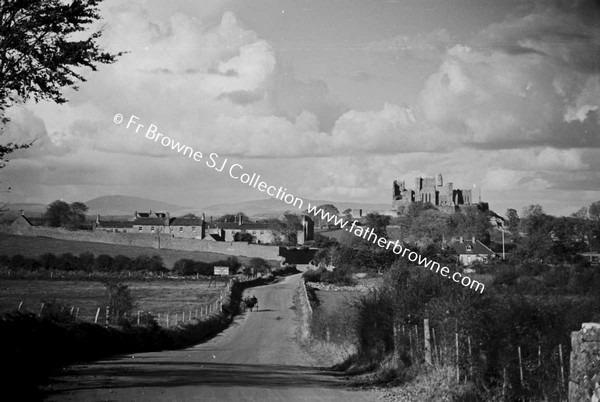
[(150, 241)]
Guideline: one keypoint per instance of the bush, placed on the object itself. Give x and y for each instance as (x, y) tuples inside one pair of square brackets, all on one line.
[(314, 275)]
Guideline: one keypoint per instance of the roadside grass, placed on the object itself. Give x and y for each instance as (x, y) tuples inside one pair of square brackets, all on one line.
[(434, 384), (36, 246), (332, 339), (157, 296)]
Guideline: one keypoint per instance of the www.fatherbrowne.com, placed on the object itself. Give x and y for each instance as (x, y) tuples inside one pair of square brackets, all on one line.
[(236, 172)]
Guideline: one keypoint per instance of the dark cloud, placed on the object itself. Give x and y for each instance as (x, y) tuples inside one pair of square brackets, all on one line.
[(242, 98)]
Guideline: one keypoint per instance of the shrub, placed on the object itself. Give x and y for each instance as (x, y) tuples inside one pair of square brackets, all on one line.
[(314, 275), (104, 263)]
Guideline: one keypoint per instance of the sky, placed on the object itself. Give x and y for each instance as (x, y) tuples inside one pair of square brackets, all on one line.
[(333, 100)]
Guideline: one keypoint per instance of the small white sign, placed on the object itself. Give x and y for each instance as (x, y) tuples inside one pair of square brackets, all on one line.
[(222, 271)]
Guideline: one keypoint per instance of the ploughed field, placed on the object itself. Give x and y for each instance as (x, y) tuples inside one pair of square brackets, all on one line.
[(158, 296), (36, 246)]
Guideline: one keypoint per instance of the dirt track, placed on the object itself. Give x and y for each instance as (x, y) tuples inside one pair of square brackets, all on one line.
[(256, 359)]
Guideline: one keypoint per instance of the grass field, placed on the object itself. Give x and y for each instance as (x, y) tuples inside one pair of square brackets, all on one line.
[(36, 246), (160, 296)]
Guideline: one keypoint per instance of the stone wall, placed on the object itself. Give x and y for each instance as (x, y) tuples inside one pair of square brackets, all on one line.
[(147, 240), (584, 378)]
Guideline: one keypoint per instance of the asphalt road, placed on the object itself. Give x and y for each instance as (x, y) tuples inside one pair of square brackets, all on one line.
[(256, 359)]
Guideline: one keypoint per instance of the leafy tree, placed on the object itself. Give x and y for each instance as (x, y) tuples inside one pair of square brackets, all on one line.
[(512, 220), (58, 213), (431, 224), (233, 217), (581, 213), (78, 210), (594, 211), (326, 208), (104, 263), (471, 223), (378, 223), (285, 230), (119, 300), (86, 261), (40, 55), (416, 208), (243, 236)]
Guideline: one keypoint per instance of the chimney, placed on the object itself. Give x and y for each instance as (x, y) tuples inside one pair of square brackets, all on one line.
[(211, 218), (240, 219), (203, 217), (22, 212), (167, 219), (97, 219), (461, 239), (135, 215), (473, 239)]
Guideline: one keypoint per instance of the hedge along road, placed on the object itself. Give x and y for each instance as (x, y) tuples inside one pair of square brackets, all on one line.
[(256, 359)]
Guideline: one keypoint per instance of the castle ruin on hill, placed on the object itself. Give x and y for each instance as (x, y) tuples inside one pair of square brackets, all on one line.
[(429, 189)]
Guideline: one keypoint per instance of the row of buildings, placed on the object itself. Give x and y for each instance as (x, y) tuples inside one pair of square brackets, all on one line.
[(201, 229)]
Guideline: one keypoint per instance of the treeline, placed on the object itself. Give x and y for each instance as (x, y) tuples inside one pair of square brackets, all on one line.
[(86, 262)]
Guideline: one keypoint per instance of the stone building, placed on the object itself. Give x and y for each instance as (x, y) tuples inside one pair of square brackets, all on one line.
[(197, 228), (429, 189)]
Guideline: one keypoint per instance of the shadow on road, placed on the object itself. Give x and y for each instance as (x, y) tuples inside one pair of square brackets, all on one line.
[(175, 374)]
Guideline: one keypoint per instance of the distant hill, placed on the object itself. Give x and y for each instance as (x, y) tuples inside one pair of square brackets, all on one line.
[(273, 207), (126, 205)]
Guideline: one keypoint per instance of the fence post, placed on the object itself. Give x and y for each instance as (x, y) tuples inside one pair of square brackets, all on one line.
[(42, 309), (562, 366), (167, 320), (97, 314), (436, 355), (470, 357), (457, 358), (427, 341), (520, 365), (138, 317), (77, 313), (71, 312), (20, 306), (396, 345)]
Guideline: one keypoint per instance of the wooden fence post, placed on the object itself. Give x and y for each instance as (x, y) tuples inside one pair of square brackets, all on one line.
[(427, 341), (20, 306), (562, 367), (42, 309), (97, 314), (520, 365), (107, 314), (167, 320), (138, 317), (470, 357), (457, 358), (436, 354), (77, 313), (396, 346)]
